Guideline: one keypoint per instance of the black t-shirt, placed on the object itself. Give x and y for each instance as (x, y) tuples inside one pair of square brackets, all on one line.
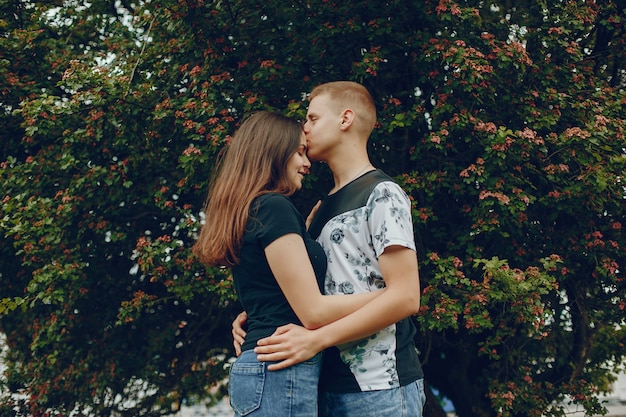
[(271, 216)]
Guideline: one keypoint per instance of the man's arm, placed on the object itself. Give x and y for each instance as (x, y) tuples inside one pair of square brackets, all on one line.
[(292, 344)]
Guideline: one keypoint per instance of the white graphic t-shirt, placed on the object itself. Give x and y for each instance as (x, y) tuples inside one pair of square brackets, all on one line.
[(354, 226)]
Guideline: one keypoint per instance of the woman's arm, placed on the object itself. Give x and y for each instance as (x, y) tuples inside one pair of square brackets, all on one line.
[(289, 261)]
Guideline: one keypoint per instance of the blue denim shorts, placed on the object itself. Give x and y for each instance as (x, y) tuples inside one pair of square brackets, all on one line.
[(407, 401), (255, 391)]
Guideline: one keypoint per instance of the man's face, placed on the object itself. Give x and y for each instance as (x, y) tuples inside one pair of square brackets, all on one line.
[(321, 128)]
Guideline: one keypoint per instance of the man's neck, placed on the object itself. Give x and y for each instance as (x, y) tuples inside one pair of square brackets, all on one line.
[(348, 172)]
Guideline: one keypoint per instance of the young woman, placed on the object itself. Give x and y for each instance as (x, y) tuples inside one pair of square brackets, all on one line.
[(253, 227)]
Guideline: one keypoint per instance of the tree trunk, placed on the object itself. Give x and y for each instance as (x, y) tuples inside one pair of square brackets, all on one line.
[(433, 407)]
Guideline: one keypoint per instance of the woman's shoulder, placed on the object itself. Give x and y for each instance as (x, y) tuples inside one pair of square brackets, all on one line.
[(273, 199), (274, 203), (276, 213)]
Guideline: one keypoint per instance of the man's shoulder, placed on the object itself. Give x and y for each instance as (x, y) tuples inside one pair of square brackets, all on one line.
[(351, 197), (356, 194)]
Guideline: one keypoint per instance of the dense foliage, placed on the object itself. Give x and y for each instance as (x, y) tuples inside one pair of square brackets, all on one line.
[(504, 122)]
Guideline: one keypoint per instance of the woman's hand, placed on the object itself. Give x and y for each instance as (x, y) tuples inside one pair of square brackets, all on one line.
[(309, 218)]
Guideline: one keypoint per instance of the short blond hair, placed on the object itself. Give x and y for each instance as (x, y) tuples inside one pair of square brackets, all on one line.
[(353, 96)]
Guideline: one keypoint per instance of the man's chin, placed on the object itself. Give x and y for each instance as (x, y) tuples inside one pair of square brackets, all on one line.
[(314, 158)]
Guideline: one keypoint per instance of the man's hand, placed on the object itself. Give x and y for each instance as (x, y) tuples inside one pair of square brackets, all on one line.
[(239, 334), (289, 345)]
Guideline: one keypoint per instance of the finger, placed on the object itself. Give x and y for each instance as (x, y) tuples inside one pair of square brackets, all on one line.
[(280, 365), (277, 342), (273, 357), (238, 340), (237, 347), (240, 320), (283, 329), (266, 350), (237, 325), (275, 338), (239, 333), (266, 341)]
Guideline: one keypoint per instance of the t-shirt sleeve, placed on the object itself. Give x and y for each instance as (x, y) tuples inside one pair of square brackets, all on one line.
[(390, 219), (276, 216)]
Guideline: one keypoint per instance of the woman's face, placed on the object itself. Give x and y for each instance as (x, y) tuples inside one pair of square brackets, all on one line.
[(298, 165)]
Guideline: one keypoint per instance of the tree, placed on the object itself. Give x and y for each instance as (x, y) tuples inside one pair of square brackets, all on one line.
[(83, 265), (541, 177), (504, 122)]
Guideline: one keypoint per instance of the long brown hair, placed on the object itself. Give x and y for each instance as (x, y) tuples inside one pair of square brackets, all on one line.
[(253, 163)]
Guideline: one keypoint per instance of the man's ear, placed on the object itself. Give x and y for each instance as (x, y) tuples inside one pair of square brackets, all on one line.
[(347, 118)]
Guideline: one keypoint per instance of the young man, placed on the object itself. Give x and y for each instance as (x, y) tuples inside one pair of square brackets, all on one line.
[(370, 367)]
